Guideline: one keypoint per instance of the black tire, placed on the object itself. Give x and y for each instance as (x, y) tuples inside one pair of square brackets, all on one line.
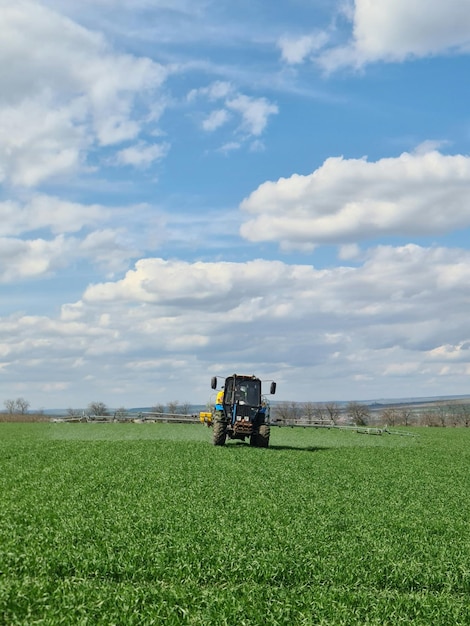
[(263, 435), (219, 434), (260, 439)]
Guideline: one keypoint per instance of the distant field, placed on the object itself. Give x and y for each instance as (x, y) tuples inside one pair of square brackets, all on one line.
[(150, 524), (26, 417)]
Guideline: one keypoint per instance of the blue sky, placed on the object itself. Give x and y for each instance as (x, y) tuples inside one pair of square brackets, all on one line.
[(192, 188)]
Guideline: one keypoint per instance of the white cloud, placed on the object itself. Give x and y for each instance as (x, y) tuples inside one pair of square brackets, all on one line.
[(25, 259), (142, 154), (216, 119), (29, 259), (215, 91), (349, 251), (254, 111), (157, 280), (40, 139), (110, 248), (64, 89), (347, 200), (40, 211), (297, 49), (353, 329), (35, 241), (393, 30), (230, 146)]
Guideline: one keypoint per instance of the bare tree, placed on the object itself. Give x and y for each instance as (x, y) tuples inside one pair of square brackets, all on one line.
[(308, 411), (22, 406), (73, 413), (287, 412), (10, 406), (429, 418), (442, 414), (282, 412), (173, 407), (333, 411), (454, 414), (97, 408), (319, 412), (406, 415), (158, 408), (389, 416), (359, 413), (296, 410), (120, 413), (185, 408), (458, 413), (464, 410)]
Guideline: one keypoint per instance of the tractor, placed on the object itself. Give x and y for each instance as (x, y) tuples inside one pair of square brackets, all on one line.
[(241, 411)]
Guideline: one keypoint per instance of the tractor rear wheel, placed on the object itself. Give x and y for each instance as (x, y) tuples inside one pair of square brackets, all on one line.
[(219, 434)]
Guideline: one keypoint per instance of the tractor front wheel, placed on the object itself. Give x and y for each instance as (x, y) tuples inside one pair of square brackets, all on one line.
[(263, 435), (219, 434), (261, 438)]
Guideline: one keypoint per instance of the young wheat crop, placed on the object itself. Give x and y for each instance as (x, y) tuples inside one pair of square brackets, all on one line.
[(150, 524)]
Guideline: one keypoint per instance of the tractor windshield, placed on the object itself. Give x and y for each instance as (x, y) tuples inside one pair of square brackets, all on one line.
[(243, 391)]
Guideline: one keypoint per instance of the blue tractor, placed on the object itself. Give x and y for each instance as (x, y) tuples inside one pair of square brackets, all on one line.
[(241, 411)]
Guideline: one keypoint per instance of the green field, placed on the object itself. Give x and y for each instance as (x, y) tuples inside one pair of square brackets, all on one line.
[(151, 524)]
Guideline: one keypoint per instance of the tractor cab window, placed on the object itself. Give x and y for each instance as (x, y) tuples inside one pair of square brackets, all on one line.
[(254, 393), (243, 391), (248, 392)]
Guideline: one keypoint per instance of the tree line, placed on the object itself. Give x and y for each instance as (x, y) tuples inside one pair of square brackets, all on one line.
[(100, 409), (19, 406), (454, 413), (320, 413)]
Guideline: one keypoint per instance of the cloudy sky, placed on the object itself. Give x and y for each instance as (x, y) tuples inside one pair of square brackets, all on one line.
[(192, 188)]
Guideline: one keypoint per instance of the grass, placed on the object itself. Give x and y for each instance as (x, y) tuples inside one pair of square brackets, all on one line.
[(150, 524)]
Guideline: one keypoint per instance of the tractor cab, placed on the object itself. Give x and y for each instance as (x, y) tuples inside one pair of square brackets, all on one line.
[(243, 391)]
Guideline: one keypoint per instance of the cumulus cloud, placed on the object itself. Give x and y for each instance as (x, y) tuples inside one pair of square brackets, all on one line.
[(348, 200), (29, 259), (39, 139), (393, 30), (40, 211), (110, 248), (64, 90), (392, 286), (158, 280), (36, 241), (355, 328), (26, 259)]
